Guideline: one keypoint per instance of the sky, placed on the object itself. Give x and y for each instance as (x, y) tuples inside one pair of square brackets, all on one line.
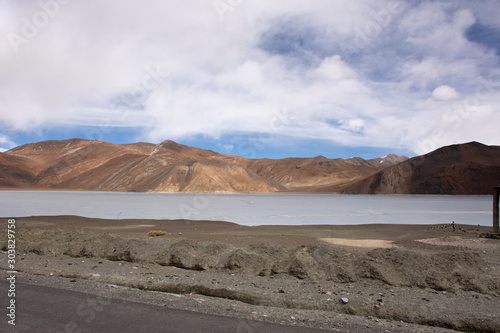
[(253, 78)]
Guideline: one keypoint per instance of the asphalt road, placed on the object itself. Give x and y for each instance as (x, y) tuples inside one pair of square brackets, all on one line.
[(47, 309)]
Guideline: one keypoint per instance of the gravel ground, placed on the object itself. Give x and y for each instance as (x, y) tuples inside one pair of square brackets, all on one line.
[(249, 315), (440, 283)]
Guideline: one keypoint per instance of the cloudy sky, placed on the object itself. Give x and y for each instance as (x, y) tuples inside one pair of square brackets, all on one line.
[(253, 78)]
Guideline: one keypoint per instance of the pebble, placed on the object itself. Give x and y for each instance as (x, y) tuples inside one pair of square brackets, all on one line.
[(344, 300)]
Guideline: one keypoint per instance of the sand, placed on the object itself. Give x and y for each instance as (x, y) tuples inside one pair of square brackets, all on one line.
[(395, 277)]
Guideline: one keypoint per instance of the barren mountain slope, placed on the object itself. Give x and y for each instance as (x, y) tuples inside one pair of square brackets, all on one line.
[(304, 174), (78, 164), (95, 165), (471, 168), (15, 171)]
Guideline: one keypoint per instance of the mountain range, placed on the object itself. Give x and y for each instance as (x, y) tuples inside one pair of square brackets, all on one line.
[(92, 165)]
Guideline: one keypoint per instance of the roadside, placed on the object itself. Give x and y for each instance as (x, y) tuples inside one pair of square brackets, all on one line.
[(348, 278), (249, 317)]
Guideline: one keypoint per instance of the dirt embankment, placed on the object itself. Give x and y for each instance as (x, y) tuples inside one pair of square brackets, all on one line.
[(409, 280), (451, 270)]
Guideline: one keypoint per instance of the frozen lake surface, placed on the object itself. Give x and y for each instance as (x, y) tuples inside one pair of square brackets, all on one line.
[(254, 209)]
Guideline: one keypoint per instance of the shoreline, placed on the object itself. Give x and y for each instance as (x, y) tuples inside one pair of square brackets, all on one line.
[(161, 221), (7, 189), (138, 228)]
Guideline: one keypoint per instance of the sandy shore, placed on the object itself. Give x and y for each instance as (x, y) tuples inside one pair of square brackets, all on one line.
[(394, 277)]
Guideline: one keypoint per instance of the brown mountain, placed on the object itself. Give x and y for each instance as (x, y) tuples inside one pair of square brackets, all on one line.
[(167, 167), (78, 164), (14, 171), (471, 168), (309, 174)]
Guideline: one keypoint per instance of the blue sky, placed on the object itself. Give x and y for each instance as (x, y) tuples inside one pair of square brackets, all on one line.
[(253, 78)]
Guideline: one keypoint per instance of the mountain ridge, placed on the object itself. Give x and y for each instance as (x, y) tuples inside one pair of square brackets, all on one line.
[(79, 164), (469, 168)]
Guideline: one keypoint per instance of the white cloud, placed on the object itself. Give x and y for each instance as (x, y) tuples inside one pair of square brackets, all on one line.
[(6, 143), (227, 147), (333, 68), (93, 63), (354, 125), (444, 93)]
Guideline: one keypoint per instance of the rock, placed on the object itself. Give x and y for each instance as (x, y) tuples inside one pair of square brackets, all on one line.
[(344, 300), (490, 235), (154, 233), (377, 307)]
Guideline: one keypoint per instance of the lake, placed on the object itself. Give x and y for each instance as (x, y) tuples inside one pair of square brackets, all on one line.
[(254, 209)]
